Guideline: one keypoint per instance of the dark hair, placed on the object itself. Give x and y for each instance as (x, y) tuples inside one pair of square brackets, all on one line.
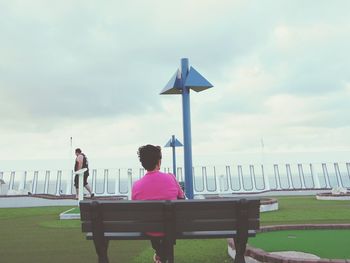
[(149, 155), (77, 150)]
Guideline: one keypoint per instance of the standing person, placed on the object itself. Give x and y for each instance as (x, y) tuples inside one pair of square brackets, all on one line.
[(81, 162), (155, 185)]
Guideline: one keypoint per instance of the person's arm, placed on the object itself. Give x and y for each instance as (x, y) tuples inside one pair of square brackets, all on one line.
[(134, 190), (80, 160), (133, 196), (180, 193)]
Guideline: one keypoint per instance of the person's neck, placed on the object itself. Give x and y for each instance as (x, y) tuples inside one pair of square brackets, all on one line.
[(154, 170)]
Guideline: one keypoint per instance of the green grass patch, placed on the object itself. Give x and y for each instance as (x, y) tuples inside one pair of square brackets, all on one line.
[(38, 235), (60, 223), (204, 251), (16, 213), (307, 210), (323, 243)]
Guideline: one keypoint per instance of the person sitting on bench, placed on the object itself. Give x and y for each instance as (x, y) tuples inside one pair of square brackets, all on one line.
[(155, 185)]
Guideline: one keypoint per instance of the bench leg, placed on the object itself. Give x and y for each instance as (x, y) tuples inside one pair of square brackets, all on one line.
[(240, 246), (102, 251), (170, 252)]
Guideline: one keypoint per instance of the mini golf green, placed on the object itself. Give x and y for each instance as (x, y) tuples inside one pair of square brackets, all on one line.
[(323, 243)]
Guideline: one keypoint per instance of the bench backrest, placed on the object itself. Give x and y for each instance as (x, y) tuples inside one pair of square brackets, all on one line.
[(171, 217), (216, 215), (122, 216)]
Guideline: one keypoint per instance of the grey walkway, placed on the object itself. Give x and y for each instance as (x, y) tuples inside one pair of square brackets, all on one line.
[(27, 201), (277, 193), (7, 202)]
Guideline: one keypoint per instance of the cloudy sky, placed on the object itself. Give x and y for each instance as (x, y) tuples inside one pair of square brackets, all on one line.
[(93, 70)]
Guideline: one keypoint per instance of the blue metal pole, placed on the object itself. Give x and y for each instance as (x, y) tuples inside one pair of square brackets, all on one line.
[(186, 113), (174, 155)]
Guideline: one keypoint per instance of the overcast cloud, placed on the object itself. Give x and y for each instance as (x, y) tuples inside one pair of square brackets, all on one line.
[(93, 71)]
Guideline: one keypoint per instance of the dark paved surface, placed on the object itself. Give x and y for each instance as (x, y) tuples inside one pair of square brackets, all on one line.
[(46, 200), (68, 200)]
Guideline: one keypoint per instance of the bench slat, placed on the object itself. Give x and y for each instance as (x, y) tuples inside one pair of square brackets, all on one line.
[(217, 214), (203, 225), (122, 236), (183, 235), (126, 226), (124, 210), (210, 234)]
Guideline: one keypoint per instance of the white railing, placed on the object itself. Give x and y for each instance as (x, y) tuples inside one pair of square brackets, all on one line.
[(207, 179)]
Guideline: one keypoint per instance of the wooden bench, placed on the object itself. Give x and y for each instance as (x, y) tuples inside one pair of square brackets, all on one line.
[(178, 219)]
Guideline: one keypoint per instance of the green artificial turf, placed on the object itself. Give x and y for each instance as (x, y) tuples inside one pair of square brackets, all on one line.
[(323, 243), (37, 234), (187, 251), (307, 210)]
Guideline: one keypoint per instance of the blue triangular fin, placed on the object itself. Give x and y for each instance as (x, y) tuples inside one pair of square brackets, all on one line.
[(196, 81), (174, 84), (170, 143), (178, 143)]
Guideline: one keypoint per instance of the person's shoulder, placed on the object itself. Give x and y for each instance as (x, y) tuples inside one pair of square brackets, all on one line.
[(137, 182), (170, 176), (165, 174)]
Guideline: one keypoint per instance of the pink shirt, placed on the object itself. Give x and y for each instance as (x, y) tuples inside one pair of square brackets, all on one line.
[(156, 185)]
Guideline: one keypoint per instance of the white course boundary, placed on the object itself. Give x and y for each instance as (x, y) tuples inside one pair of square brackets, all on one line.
[(67, 215)]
